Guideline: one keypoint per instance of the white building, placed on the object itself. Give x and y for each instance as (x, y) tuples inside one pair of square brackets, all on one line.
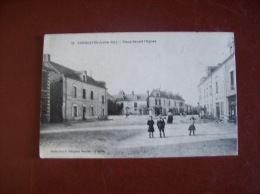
[(132, 103), (217, 91), (161, 102)]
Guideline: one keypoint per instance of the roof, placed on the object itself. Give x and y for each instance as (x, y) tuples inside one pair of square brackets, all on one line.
[(130, 97), (165, 94), (217, 68), (70, 73), (109, 96)]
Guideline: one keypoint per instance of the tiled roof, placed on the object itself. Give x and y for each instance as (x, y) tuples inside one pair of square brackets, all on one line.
[(217, 68), (67, 72), (164, 94), (130, 97)]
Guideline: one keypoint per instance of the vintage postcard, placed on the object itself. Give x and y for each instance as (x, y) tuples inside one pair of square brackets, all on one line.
[(138, 95)]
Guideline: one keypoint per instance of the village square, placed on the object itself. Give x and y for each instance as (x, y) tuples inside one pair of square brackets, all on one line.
[(81, 118)]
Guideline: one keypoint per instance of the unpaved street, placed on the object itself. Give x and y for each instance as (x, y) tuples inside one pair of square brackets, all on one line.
[(121, 137)]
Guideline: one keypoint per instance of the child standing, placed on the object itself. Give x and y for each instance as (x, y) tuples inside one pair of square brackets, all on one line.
[(150, 124), (192, 125), (161, 125)]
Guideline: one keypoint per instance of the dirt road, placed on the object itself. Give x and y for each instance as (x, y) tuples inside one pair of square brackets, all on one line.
[(121, 137)]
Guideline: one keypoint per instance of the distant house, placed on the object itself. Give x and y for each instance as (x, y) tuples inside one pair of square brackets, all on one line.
[(132, 103), (70, 95), (162, 102)]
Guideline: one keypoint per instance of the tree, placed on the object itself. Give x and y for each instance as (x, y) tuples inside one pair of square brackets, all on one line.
[(113, 107)]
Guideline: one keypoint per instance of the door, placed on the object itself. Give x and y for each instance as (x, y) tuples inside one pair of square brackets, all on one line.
[(217, 110), (232, 112), (84, 112)]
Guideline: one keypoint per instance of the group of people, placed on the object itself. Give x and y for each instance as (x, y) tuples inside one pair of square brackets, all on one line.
[(161, 126)]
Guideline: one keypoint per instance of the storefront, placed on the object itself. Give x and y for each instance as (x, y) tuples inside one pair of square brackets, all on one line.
[(232, 108)]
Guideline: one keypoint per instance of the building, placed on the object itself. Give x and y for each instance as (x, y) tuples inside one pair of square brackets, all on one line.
[(188, 109), (217, 91), (70, 95), (132, 103), (162, 102)]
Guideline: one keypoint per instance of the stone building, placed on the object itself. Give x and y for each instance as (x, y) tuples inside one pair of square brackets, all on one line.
[(132, 103), (217, 91), (161, 102), (70, 95)]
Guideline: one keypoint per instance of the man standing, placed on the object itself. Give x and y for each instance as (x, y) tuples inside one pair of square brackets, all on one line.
[(161, 125)]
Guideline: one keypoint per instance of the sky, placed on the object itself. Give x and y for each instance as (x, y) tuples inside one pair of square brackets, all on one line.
[(142, 61)]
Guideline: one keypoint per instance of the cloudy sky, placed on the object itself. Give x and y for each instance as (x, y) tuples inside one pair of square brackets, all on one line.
[(170, 61)]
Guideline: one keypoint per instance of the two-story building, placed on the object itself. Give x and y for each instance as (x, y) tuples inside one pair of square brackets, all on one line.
[(162, 102), (70, 95), (132, 103)]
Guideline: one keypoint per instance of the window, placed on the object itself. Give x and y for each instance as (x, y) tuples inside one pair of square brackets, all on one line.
[(91, 95), (216, 87), (180, 103), (174, 103), (103, 99), (164, 102), (84, 78), (232, 85), (169, 103), (84, 111), (84, 93), (103, 112), (92, 111), (75, 111), (160, 102), (155, 102), (75, 91), (210, 92), (135, 104)]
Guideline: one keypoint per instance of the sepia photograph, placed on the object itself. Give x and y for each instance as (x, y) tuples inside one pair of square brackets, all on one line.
[(139, 95)]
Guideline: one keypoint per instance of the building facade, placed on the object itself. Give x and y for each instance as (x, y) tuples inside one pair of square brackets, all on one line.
[(132, 103), (73, 95), (188, 109), (162, 102), (217, 91)]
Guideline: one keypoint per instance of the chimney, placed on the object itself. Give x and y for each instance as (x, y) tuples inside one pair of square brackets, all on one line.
[(148, 93), (46, 57)]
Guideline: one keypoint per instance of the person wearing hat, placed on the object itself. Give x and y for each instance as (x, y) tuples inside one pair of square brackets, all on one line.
[(192, 125), (161, 125), (150, 124)]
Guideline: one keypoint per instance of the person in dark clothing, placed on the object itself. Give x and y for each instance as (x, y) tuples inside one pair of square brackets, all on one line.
[(150, 124), (192, 125), (170, 118), (161, 125)]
